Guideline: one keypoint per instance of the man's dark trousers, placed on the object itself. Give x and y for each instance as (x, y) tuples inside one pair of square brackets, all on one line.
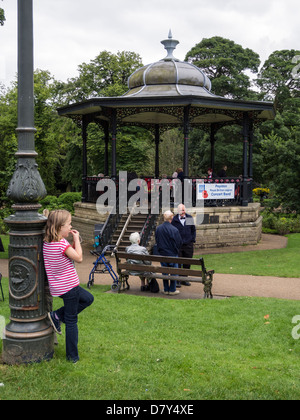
[(186, 251)]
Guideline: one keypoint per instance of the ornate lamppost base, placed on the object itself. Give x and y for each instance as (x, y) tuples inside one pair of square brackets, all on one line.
[(32, 348)]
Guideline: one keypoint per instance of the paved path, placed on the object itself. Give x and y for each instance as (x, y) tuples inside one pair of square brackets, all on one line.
[(224, 285)]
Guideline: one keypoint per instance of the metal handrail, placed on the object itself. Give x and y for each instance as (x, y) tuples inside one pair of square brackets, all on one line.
[(125, 226), (110, 226)]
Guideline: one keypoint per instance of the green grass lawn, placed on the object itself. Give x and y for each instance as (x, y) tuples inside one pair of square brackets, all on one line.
[(277, 262), (141, 348)]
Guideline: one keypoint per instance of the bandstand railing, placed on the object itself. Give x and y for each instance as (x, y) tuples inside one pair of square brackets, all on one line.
[(242, 190)]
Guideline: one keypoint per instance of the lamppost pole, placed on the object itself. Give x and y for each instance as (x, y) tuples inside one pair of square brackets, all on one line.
[(28, 337)]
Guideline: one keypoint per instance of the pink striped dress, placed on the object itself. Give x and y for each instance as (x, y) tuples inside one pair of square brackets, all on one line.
[(61, 272)]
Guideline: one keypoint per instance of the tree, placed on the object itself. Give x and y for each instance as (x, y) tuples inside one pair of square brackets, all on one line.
[(8, 138), (106, 75), (280, 149), (282, 169), (170, 152), (225, 63), (277, 80), (52, 137), (280, 138)]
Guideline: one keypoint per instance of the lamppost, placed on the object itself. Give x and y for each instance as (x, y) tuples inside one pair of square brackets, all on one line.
[(28, 337)]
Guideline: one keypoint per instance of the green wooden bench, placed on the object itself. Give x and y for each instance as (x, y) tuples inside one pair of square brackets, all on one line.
[(124, 269)]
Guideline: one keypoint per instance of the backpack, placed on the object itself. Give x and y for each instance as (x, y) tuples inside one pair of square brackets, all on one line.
[(154, 287)]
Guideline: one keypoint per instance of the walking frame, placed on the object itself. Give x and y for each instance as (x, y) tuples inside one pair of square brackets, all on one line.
[(103, 265)]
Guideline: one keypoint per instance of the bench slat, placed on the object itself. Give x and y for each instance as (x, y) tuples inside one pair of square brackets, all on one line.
[(161, 276), (163, 270), (160, 258)]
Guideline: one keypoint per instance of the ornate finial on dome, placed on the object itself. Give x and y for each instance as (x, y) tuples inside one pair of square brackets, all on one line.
[(170, 44)]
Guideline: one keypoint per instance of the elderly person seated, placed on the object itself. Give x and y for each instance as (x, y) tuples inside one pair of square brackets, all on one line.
[(135, 248)]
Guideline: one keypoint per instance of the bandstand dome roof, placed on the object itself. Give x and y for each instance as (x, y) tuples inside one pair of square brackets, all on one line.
[(169, 77), (158, 94)]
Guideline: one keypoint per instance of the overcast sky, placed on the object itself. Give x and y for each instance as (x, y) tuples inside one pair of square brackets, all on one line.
[(70, 32)]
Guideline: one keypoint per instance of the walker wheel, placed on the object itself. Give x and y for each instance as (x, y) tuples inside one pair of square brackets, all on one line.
[(115, 287)]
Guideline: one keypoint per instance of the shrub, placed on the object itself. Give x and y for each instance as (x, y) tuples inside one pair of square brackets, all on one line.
[(49, 202), (269, 220), (282, 226), (280, 223), (271, 203), (295, 225), (64, 201), (68, 199)]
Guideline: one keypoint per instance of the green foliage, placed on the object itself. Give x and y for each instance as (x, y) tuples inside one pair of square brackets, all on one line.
[(134, 149), (228, 151), (52, 139), (170, 152), (276, 79), (282, 169), (8, 138), (276, 150), (68, 199), (106, 75), (280, 223), (225, 63), (64, 201)]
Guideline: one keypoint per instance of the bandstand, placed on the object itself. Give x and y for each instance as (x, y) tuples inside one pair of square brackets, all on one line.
[(174, 94)]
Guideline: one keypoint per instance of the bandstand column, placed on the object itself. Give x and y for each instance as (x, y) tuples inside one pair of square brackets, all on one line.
[(251, 140), (114, 144), (246, 135), (212, 146), (106, 139), (186, 131), (85, 124), (157, 140), (28, 338)]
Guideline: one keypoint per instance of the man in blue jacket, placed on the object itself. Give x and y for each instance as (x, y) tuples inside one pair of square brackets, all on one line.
[(186, 227), (168, 242)]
